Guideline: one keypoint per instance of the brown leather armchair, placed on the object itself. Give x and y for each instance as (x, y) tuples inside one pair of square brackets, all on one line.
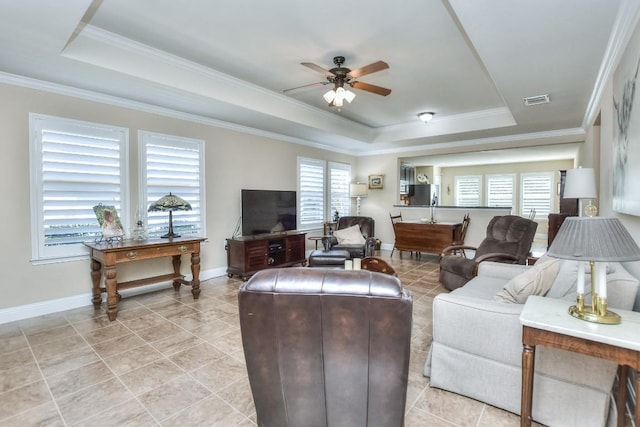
[(326, 347), (509, 239), (367, 227)]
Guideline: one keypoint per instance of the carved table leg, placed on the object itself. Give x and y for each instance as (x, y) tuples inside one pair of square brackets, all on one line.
[(621, 398), (176, 269), (637, 411), (96, 275), (528, 362), (195, 272), (112, 292)]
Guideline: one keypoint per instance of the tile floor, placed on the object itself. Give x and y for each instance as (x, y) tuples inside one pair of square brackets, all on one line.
[(169, 360)]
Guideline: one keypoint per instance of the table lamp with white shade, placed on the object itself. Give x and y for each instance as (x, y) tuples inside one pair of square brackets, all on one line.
[(580, 184), (358, 191)]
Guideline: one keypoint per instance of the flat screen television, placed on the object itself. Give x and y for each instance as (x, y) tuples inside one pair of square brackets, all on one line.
[(268, 211)]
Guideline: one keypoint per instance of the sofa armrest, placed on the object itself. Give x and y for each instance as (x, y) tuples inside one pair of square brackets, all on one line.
[(496, 332), (501, 270)]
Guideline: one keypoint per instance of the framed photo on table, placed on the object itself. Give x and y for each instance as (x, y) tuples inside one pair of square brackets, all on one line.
[(376, 182), (109, 222)]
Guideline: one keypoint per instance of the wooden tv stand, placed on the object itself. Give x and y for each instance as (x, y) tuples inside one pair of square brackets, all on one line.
[(247, 255)]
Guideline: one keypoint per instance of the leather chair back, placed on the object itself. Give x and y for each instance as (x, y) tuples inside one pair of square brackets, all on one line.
[(509, 234), (326, 347), (367, 224)]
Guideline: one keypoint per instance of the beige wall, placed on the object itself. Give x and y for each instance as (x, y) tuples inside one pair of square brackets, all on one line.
[(234, 160)]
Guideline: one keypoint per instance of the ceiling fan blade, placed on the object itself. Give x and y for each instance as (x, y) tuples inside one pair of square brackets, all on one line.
[(371, 88), (293, 89), (368, 69), (318, 68)]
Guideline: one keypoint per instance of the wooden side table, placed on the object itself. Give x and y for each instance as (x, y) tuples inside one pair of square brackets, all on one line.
[(545, 321), (105, 257)]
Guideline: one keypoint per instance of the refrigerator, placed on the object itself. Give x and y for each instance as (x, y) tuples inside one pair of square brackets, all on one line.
[(423, 194)]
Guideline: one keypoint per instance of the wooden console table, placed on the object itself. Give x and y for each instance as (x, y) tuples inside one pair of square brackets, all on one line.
[(425, 237), (105, 257), (545, 321)]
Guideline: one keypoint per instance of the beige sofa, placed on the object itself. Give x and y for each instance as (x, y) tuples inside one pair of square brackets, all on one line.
[(477, 349)]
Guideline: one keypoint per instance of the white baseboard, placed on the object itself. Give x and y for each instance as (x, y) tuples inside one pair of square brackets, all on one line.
[(386, 246), (26, 311)]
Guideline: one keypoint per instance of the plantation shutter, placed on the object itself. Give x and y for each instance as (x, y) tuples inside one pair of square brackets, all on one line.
[(311, 192), (500, 190), (174, 165), (536, 194), (468, 191), (75, 166), (340, 178)]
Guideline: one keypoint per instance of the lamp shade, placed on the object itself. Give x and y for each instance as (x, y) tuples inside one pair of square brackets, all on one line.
[(580, 183), (594, 239), (170, 202), (358, 190)]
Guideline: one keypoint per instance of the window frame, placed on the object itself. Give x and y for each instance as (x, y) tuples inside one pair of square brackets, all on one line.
[(542, 215), (512, 178), (477, 179), (327, 191), (345, 209), (318, 191), (173, 141), (40, 251)]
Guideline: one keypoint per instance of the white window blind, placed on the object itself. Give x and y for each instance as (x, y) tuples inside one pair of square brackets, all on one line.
[(500, 190), (340, 178), (468, 191), (74, 166), (172, 164), (536, 194), (311, 173)]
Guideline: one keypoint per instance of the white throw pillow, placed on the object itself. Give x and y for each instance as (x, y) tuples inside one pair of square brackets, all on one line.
[(350, 236), (535, 281)]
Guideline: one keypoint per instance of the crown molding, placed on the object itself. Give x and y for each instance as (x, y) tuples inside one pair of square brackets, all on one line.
[(536, 138), (87, 95), (110, 51), (559, 136), (626, 21)]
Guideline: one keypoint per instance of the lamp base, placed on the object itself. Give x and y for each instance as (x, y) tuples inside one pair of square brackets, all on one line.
[(170, 235), (588, 314)]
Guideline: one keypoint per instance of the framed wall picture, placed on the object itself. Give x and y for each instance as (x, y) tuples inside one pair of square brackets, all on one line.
[(376, 182), (626, 130), (109, 221)]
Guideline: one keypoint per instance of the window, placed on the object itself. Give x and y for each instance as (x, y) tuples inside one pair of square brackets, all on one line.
[(310, 192), (340, 178), (468, 190), (500, 190), (172, 164), (536, 194), (319, 197), (74, 166)]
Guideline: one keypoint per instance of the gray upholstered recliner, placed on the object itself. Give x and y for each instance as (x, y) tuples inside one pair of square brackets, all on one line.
[(367, 228), (509, 239), (326, 347)]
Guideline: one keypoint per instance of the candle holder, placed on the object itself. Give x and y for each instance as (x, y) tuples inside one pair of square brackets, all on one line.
[(597, 312)]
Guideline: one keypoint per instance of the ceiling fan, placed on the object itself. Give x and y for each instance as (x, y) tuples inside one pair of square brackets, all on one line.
[(339, 76)]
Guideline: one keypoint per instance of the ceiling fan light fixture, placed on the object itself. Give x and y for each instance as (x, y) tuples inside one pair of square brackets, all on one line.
[(329, 96), (426, 116), (349, 96)]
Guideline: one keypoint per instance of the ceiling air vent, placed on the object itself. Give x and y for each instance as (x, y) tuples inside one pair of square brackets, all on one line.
[(535, 100)]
